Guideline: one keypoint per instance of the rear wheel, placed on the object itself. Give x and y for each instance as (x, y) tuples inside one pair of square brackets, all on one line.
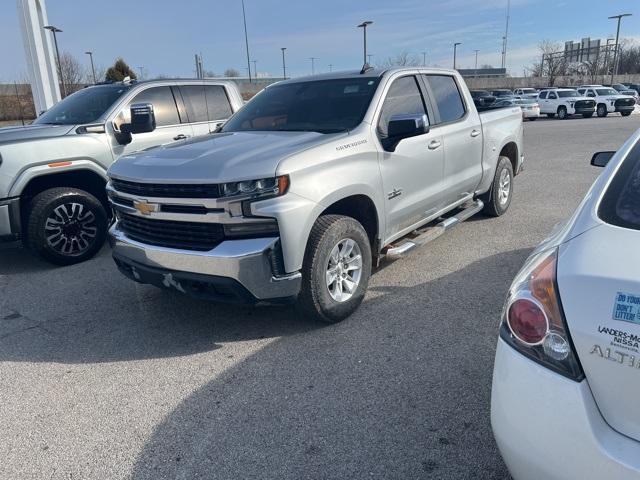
[(66, 225), (625, 114), (601, 111), (336, 269), (562, 113), (498, 198), (587, 115)]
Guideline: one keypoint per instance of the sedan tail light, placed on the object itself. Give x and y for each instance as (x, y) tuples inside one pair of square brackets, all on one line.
[(533, 321)]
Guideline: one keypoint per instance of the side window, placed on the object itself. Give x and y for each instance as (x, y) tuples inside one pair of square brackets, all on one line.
[(217, 102), (591, 93), (543, 95), (403, 97), (552, 96), (194, 102), (447, 97), (164, 106)]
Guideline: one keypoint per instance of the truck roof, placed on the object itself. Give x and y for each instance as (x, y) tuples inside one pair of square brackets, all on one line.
[(371, 73)]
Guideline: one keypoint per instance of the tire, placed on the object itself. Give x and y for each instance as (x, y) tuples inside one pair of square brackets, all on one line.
[(562, 113), (625, 114), (317, 299), (66, 225), (495, 203), (601, 110), (587, 115), (551, 115)]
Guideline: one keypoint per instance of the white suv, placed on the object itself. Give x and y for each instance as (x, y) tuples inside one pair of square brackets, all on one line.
[(564, 102), (609, 100)]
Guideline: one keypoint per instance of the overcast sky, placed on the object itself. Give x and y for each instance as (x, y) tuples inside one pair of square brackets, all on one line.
[(163, 36)]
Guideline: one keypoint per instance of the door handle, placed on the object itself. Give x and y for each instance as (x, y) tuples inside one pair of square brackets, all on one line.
[(182, 136), (475, 133), (434, 144)]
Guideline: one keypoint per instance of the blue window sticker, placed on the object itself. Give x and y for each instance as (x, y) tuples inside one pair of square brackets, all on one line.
[(626, 308)]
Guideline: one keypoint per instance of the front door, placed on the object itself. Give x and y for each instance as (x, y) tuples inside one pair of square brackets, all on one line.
[(411, 175)]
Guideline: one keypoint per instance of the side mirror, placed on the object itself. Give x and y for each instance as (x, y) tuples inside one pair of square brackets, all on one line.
[(404, 126), (143, 119), (601, 159)]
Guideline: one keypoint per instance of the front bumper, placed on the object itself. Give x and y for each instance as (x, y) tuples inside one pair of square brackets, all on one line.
[(549, 427), (10, 227), (625, 109), (234, 271)]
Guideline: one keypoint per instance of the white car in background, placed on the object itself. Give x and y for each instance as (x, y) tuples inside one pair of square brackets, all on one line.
[(565, 102), (566, 380), (609, 100), (526, 92), (529, 106)]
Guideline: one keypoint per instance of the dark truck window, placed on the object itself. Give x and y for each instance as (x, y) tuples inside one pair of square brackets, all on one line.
[(447, 97), (206, 102), (568, 93), (621, 202), (324, 106), (403, 97), (84, 106), (164, 106)]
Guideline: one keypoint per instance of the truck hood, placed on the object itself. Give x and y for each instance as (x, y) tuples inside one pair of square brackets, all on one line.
[(32, 132), (217, 158)]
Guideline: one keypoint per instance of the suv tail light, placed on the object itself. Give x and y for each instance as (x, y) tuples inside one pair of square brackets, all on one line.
[(533, 321)]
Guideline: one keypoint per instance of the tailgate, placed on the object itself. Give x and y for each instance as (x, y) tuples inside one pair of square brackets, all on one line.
[(599, 285)]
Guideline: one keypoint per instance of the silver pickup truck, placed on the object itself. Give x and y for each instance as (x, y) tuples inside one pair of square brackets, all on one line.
[(53, 173), (310, 184)]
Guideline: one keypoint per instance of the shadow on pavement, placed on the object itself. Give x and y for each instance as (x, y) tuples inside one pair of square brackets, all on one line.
[(398, 391)]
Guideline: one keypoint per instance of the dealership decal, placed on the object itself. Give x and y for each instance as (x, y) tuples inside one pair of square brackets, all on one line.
[(626, 308)]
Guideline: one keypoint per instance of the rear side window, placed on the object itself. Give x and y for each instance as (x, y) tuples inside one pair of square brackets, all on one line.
[(403, 97), (206, 102), (194, 102), (621, 202), (447, 97), (552, 96)]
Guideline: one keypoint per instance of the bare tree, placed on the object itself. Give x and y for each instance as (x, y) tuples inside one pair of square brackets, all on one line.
[(402, 59), (231, 72), (553, 63), (73, 73)]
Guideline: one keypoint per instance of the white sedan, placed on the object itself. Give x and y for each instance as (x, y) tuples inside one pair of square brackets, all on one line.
[(529, 106), (566, 380)]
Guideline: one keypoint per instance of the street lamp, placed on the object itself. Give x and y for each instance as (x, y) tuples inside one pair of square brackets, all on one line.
[(284, 65), (424, 59), (141, 68), (616, 58), (476, 70), (455, 48), (246, 40), (313, 64), (255, 68), (55, 30), (364, 26), (93, 70)]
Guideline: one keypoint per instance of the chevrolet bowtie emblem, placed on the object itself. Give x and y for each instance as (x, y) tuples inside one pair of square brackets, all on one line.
[(144, 207)]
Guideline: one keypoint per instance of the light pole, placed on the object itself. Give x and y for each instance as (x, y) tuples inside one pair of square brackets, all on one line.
[(141, 68), (55, 30), (476, 70), (369, 55), (246, 40), (313, 64), (424, 59), (284, 65), (455, 48), (364, 26), (606, 57), (255, 68), (505, 39), (616, 57), (93, 70)]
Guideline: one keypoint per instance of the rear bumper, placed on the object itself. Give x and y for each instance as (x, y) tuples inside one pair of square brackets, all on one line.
[(547, 426), (10, 227), (234, 271)]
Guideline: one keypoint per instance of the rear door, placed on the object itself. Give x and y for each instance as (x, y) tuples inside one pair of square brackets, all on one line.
[(207, 107), (543, 102), (599, 284), (412, 174), (459, 125)]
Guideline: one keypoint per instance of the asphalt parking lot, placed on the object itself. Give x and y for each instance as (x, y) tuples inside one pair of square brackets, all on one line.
[(101, 378)]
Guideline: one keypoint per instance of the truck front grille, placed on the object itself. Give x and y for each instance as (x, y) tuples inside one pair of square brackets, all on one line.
[(580, 104), (625, 102), (162, 190), (170, 234)]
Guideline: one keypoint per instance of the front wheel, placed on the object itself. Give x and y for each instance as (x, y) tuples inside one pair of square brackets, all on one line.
[(625, 114), (498, 198), (336, 269), (66, 225), (601, 111), (562, 113)]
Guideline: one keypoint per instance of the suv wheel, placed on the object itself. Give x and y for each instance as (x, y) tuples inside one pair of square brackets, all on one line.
[(336, 269), (498, 198), (562, 113), (601, 111), (625, 114), (66, 225)]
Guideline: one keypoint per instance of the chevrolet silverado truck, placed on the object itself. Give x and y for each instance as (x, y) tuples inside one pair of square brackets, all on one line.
[(53, 173), (310, 185)]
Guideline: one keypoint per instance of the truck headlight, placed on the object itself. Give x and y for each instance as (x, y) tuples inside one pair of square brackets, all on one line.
[(265, 186)]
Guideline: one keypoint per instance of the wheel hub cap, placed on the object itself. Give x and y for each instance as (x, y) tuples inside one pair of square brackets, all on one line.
[(70, 229), (344, 270), (504, 187)]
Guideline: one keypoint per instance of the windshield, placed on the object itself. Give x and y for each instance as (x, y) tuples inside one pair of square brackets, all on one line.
[(528, 90), (84, 106), (621, 202), (324, 106), (526, 101), (606, 91), (568, 93)]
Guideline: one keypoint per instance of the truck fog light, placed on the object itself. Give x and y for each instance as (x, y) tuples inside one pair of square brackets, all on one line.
[(556, 346)]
